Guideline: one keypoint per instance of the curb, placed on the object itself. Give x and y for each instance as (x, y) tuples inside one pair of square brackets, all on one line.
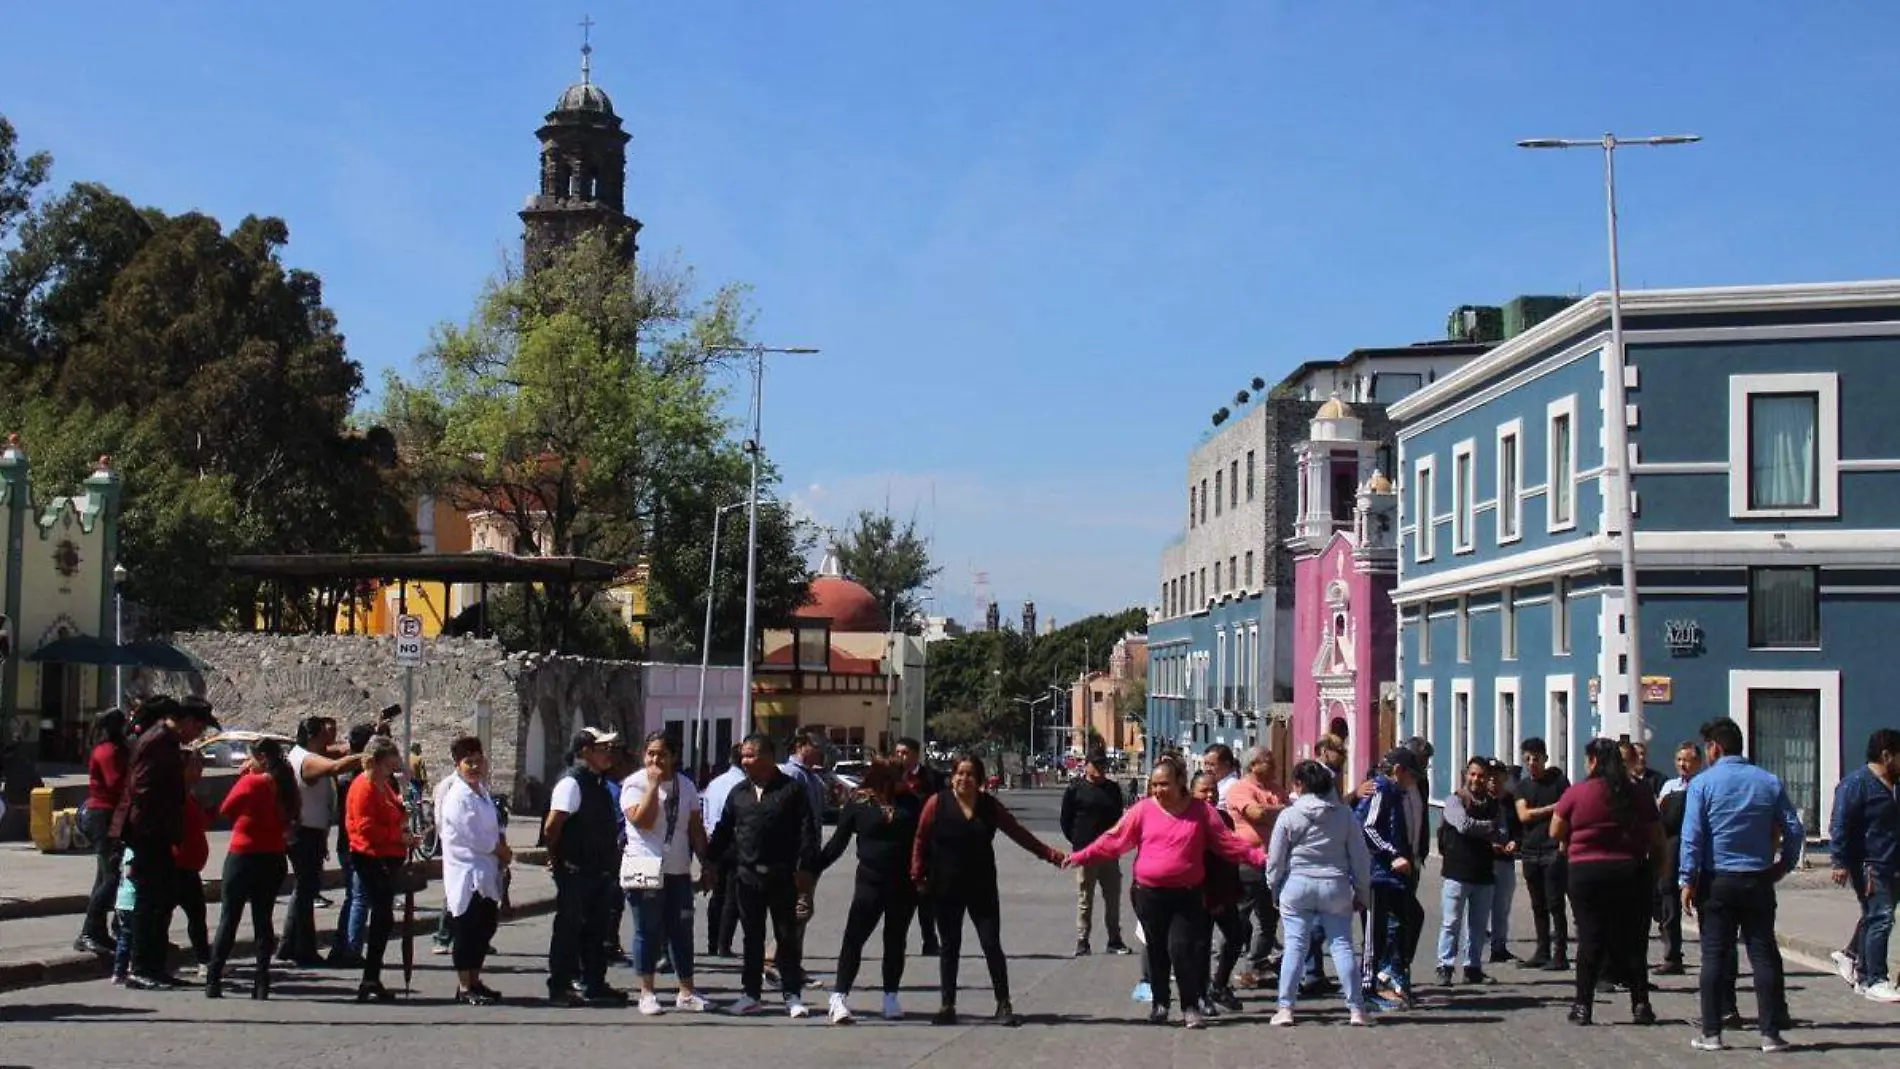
[(1805, 951), (74, 905), (73, 966)]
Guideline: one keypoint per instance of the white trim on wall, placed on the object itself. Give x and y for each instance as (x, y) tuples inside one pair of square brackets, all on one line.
[(1504, 743), (1566, 408), (1422, 718), (1464, 495), (1557, 742), (1828, 684), (1461, 731), (1424, 488), (1826, 386), (1510, 499)]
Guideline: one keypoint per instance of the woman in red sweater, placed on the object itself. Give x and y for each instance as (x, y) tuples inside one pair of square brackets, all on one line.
[(189, 855), (1174, 832), (105, 769), (379, 841), (261, 808)]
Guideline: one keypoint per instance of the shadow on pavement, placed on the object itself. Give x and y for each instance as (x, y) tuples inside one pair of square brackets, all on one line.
[(66, 1011)]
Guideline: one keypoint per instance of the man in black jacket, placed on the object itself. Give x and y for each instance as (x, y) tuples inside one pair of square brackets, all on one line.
[(582, 830), (1091, 806), (924, 782), (769, 838), (153, 822), (1467, 838)]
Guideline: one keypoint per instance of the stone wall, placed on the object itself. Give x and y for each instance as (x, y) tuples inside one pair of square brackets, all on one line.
[(270, 682)]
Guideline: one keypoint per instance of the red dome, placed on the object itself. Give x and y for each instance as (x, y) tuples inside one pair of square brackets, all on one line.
[(846, 604)]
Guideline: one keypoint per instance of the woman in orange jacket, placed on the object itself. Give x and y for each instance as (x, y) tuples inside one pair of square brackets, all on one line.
[(379, 841)]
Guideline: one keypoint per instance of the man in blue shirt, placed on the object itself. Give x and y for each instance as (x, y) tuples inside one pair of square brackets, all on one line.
[(1864, 838), (1740, 835)]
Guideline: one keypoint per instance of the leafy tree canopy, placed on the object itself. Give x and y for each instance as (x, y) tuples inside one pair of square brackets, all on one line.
[(891, 561), (977, 686)]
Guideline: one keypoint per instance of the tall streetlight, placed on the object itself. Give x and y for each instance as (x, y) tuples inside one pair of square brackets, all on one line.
[(1616, 418), (758, 354), (119, 575), (705, 642)]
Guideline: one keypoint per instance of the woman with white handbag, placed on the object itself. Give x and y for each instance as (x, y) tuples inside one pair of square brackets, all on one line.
[(665, 832)]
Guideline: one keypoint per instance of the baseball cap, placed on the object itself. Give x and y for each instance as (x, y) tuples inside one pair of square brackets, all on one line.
[(586, 737), (1405, 759)]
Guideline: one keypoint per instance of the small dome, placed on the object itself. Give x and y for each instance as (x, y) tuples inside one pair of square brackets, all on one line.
[(847, 604), (1334, 408), (1378, 484), (585, 96)]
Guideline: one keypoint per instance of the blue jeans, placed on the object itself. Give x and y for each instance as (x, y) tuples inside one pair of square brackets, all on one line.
[(1466, 905), (1876, 923), (353, 917), (1301, 928), (1501, 898), (664, 919)]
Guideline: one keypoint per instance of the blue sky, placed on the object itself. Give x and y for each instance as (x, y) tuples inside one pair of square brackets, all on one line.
[(1038, 241)]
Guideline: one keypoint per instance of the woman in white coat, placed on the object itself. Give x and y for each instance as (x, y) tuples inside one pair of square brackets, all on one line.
[(474, 850)]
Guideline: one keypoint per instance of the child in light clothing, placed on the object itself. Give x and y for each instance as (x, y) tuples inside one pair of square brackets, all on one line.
[(124, 904)]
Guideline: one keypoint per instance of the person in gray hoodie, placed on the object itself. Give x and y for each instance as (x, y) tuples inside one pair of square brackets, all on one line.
[(1319, 868)]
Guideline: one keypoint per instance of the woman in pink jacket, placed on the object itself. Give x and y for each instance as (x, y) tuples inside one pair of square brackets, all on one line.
[(1173, 831)]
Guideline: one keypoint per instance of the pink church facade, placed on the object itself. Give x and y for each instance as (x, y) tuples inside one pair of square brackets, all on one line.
[(1345, 629)]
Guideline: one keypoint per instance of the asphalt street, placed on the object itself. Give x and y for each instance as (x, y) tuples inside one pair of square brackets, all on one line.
[(1076, 1012)]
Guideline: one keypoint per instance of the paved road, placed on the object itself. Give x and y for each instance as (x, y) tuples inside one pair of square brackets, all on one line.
[(1077, 1012)]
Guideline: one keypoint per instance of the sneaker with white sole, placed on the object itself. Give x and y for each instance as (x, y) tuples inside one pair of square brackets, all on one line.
[(1845, 966), (795, 1008), (1360, 1018), (1282, 1018), (840, 1013), (691, 1002), (892, 1010), (746, 1006), (1708, 1043), (1773, 1044), (1884, 991), (650, 1005)]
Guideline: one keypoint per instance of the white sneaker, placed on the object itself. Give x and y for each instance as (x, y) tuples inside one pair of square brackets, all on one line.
[(795, 1007), (840, 1013), (1282, 1018), (650, 1005), (892, 1011), (691, 1003), (1708, 1043), (747, 1006), (1775, 1045), (1884, 991), (1360, 1018), (1847, 967)]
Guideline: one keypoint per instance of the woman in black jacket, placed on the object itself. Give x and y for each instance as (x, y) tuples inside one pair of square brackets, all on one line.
[(883, 817), (955, 862)]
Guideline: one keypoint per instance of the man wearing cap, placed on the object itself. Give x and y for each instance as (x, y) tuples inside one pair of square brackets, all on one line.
[(1394, 818), (152, 823), (583, 837), (1091, 805)]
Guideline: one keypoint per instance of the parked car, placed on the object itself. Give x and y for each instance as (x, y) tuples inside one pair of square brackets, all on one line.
[(226, 754)]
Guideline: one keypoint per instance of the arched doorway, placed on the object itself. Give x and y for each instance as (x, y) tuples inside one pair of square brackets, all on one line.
[(1340, 726)]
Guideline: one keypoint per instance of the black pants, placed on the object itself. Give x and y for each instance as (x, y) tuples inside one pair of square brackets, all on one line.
[(927, 923), (110, 853), (1669, 920), (1174, 919), (1258, 913), (475, 929), (156, 877), (377, 877), (981, 905), (1232, 925), (1744, 905), (763, 895), (300, 924), (250, 883), (722, 913), (191, 902), (878, 897), (1544, 878), (583, 910), (1611, 901)]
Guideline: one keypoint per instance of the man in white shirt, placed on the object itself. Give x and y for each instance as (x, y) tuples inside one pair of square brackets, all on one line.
[(722, 912), (317, 767), (1218, 761)]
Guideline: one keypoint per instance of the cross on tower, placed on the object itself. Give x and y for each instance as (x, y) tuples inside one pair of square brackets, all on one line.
[(587, 48)]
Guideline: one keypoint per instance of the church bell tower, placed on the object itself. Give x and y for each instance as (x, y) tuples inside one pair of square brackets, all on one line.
[(583, 172)]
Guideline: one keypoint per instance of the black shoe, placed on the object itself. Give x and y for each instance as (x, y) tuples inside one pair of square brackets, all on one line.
[(260, 985), (566, 997), (87, 944), (606, 996), (1499, 956), (344, 959), (1581, 1013), (1226, 999), (1006, 1016), (1475, 975), (1642, 1013), (477, 996), (930, 950), (1444, 975), (1536, 961), (1668, 968), (373, 991), (214, 987), (1207, 1007), (1558, 963), (945, 1015), (1082, 948), (148, 983), (1158, 1013), (1118, 948)]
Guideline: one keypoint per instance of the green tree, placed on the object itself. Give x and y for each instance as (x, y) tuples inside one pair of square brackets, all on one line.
[(984, 680), (20, 177), (891, 561)]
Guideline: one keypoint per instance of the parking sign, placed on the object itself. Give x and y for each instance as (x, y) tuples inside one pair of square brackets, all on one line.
[(409, 641)]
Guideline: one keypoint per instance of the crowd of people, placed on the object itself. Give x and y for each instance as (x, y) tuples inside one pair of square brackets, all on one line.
[(1230, 873)]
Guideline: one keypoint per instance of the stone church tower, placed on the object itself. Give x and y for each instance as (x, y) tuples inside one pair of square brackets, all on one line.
[(583, 173)]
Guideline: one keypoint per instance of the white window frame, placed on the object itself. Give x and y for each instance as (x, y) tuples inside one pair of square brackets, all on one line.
[(1464, 629), (1424, 489), (1558, 742), (1463, 721), (1510, 499), (1464, 496), (1566, 408), (1560, 616), (1828, 684), (1507, 686), (1422, 719), (1220, 665), (1507, 624), (1826, 386), (1424, 633)]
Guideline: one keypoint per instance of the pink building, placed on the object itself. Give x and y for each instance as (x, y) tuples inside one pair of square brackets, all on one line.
[(1345, 629)]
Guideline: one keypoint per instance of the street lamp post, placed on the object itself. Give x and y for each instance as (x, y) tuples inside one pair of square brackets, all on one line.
[(118, 633), (1616, 419), (752, 447), (705, 642)]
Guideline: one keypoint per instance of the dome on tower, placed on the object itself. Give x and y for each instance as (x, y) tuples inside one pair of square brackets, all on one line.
[(846, 603), (1378, 484), (585, 96), (1334, 408)]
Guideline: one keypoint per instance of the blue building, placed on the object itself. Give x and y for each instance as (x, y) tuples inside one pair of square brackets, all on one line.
[(1767, 498)]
